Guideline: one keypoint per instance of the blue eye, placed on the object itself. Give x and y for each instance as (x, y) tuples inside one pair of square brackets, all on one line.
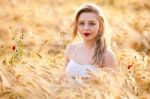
[(81, 23), (91, 24)]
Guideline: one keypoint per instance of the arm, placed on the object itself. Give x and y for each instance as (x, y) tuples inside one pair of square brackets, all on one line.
[(66, 60), (67, 55)]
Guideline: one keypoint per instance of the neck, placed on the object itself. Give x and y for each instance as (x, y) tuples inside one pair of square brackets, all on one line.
[(89, 44)]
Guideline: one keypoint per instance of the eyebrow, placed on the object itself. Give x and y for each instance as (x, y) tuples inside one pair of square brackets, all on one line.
[(91, 21), (83, 21)]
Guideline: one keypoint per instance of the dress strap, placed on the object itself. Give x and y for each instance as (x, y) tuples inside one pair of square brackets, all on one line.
[(74, 52)]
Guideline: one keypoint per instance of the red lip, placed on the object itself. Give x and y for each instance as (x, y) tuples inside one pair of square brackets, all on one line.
[(86, 34)]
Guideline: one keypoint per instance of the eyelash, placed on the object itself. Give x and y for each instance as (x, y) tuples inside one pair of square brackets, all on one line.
[(91, 24), (81, 23)]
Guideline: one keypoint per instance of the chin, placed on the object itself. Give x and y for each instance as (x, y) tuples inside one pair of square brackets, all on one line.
[(87, 39)]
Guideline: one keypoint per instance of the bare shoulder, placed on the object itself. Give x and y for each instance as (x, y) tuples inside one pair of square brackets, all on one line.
[(109, 53), (109, 58), (70, 49)]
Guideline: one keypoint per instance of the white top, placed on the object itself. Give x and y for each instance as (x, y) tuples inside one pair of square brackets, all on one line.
[(75, 69)]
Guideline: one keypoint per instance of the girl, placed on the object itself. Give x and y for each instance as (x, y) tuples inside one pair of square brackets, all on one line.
[(92, 53)]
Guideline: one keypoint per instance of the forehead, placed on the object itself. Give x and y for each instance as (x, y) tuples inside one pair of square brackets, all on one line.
[(89, 16)]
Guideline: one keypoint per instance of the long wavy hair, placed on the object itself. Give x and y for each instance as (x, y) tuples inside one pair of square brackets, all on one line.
[(100, 48)]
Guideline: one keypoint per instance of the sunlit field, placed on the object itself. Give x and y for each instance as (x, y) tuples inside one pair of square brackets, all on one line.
[(35, 33)]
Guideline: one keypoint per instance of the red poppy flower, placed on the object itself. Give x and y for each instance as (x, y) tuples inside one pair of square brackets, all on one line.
[(13, 47), (129, 66)]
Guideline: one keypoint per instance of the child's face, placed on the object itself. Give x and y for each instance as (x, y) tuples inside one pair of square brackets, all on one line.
[(88, 25)]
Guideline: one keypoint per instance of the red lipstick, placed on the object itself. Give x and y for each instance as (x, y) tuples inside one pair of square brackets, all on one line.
[(86, 34)]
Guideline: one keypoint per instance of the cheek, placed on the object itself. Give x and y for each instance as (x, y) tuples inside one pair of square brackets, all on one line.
[(79, 28), (96, 29)]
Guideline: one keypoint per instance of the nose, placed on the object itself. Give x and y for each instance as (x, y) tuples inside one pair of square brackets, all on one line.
[(86, 27)]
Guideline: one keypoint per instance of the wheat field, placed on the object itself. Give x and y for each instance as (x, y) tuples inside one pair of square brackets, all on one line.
[(34, 35)]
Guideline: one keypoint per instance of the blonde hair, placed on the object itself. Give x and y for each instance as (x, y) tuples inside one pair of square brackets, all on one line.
[(100, 39)]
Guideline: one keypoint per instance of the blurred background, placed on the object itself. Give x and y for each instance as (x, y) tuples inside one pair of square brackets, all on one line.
[(34, 35)]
